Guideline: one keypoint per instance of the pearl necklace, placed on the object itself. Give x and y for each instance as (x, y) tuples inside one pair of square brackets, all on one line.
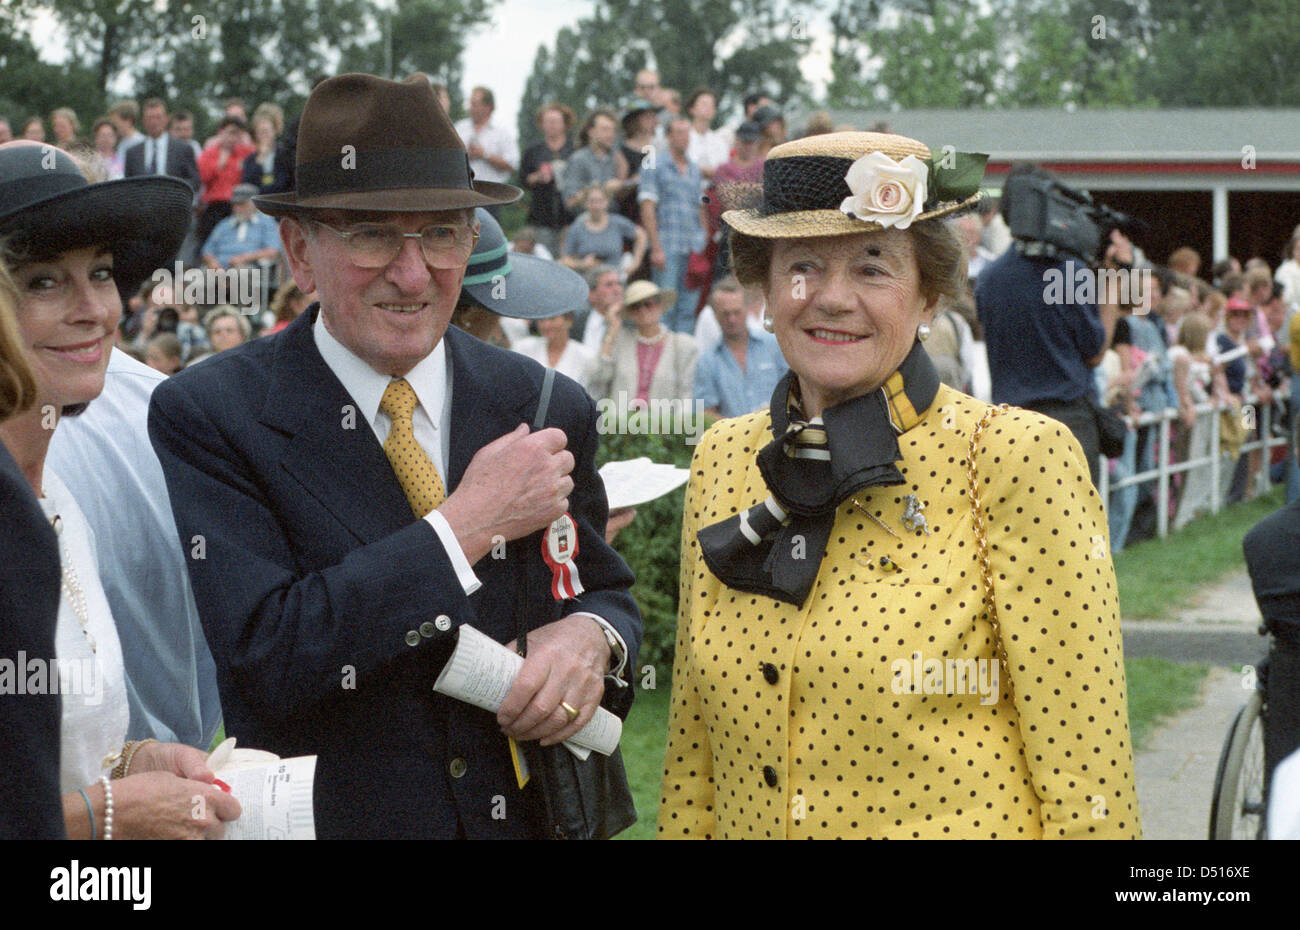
[(653, 340), (72, 586)]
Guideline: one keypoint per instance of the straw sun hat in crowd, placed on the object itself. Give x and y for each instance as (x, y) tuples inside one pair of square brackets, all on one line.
[(842, 183)]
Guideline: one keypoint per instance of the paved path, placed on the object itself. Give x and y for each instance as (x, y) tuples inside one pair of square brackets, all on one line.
[(1175, 770)]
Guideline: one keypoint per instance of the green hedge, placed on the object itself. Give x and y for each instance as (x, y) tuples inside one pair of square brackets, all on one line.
[(652, 543)]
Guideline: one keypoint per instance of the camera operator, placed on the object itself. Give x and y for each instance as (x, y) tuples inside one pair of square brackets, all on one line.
[(1041, 354)]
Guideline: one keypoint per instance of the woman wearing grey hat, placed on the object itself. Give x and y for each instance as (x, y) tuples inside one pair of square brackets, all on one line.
[(73, 247)]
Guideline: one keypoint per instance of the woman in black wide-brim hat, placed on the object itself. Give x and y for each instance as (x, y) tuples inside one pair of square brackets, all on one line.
[(73, 248), (898, 611)]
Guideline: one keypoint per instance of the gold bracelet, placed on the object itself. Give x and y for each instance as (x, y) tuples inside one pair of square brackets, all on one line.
[(123, 767), (120, 769)]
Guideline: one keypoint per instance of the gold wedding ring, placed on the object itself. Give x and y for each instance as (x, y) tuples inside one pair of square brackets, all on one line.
[(568, 709)]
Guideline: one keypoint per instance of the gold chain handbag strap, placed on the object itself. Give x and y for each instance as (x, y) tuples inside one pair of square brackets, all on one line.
[(982, 539)]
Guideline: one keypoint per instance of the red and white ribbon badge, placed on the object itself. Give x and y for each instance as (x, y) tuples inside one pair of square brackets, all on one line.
[(559, 547)]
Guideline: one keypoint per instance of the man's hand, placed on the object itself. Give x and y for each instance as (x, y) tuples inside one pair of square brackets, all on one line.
[(514, 486), (619, 519), (474, 150), (658, 259), (1120, 249), (567, 661)]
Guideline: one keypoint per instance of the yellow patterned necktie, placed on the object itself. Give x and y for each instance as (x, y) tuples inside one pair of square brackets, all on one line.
[(414, 469)]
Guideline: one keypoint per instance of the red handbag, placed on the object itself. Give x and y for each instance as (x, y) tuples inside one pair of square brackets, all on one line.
[(698, 271)]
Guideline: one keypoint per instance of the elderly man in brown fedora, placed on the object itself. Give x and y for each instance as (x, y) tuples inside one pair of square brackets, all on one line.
[(346, 489)]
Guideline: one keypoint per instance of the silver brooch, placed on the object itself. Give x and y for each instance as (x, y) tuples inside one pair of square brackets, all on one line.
[(913, 516)]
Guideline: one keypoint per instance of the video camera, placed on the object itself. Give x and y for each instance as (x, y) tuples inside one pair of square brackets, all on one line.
[(1048, 219)]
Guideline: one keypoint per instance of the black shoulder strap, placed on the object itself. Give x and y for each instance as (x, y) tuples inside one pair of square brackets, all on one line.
[(544, 401), (539, 421)]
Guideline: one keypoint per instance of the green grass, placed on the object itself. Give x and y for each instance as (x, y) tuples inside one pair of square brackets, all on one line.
[(1158, 688), (1157, 577), (645, 734)]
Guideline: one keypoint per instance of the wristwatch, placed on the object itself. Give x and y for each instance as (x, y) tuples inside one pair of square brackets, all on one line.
[(617, 655)]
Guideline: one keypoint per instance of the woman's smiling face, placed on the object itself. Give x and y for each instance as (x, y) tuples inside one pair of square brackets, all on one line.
[(845, 311), (68, 312)]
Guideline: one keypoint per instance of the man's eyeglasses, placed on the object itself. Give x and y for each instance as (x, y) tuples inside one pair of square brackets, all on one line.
[(374, 245), (642, 304)]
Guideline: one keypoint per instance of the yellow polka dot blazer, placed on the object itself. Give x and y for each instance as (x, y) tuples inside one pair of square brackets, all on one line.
[(861, 713)]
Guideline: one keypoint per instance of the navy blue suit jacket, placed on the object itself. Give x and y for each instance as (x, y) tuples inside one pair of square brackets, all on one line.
[(30, 584), (180, 161), (311, 575)]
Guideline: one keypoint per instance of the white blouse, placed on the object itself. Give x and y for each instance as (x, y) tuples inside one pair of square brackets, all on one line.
[(578, 361), (91, 679)]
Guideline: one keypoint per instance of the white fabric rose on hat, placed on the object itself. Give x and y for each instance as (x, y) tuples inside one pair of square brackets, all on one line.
[(887, 192)]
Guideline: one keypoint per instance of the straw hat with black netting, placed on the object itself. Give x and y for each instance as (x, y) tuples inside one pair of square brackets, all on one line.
[(839, 184)]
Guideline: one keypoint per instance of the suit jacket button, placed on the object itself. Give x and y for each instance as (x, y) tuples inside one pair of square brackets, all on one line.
[(458, 767), (769, 776), (412, 638), (443, 622), (426, 629), (770, 674)]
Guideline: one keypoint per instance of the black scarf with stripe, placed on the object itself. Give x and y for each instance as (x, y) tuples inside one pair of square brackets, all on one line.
[(811, 467)]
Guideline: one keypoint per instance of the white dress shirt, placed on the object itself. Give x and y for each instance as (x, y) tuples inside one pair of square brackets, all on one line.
[(432, 382), (497, 141), (710, 150), (155, 154), (429, 379)]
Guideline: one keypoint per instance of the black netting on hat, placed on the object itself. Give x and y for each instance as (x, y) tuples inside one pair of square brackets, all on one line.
[(739, 195), (804, 182)]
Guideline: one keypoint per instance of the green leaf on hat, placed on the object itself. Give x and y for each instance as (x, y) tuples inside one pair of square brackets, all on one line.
[(956, 176)]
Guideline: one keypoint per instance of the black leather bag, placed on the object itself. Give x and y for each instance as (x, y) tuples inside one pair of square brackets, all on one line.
[(1111, 430), (580, 800)]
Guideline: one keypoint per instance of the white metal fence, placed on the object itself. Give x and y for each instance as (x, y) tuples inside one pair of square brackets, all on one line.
[(1254, 413)]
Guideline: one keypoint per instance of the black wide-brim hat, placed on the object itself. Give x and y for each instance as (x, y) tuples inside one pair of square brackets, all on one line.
[(367, 143), (47, 207), (521, 286)]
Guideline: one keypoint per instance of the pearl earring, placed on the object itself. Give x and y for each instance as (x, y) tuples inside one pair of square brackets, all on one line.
[(923, 332), (768, 325)]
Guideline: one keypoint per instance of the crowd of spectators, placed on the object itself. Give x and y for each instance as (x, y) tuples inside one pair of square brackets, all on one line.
[(631, 196)]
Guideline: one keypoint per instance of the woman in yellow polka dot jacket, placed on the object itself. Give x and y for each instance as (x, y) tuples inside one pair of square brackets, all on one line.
[(839, 670)]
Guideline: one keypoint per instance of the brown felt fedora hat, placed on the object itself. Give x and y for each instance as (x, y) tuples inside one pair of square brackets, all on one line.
[(367, 143)]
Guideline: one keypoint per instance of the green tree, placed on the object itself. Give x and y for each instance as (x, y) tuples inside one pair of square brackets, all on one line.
[(733, 46), (852, 23), (1082, 53), (30, 86), (1212, 54), (103, 34), (193, 53), (1085, 53), (425, 35), (943, 54)]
